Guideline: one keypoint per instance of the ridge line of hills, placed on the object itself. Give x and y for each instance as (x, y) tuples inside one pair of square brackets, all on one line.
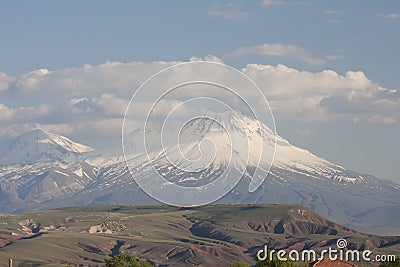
[(214, 235)]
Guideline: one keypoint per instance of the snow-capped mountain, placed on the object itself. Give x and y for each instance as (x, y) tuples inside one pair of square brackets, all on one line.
[(206, 146), (51, 177), (39, 146), (40, 166)]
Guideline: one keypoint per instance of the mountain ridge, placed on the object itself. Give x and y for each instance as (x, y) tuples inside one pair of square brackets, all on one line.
[(297, 176), (38, 146)]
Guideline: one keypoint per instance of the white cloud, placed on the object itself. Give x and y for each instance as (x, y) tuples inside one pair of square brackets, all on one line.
[(119, 78), (277, 49), (164, 107), (104, 127), (210, 58), (15, 129), (6, 113), (76, 100), (268, 3), (326, 95), (23, 113), (112, 105), (389, 16), (5, 81)]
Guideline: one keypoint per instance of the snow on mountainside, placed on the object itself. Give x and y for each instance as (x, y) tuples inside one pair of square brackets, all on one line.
[(236, 140), (39, 146), (302, 161), (41, 170), (213, 143)]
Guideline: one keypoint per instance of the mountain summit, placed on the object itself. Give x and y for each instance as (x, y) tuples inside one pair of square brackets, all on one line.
[(216, 141), (39, 146)]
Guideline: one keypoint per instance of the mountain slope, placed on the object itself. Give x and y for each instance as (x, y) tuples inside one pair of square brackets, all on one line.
[(296, 176)]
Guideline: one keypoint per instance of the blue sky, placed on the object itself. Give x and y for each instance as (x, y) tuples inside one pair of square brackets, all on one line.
[(303, 35), (62, 34)]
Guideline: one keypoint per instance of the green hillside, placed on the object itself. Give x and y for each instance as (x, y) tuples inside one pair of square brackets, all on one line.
[(207, 236)]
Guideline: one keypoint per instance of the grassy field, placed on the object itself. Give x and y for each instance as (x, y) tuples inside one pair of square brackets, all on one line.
[(207, 236)]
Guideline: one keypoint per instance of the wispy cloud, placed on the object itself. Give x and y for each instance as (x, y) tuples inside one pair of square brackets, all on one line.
[(229, 11), (333, 57), (268, 3), (332, 12), (389, 16), (229, 14), (277, 49)]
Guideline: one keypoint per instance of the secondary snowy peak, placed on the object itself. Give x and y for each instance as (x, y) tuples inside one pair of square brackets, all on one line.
[(39, 146), (55, 139)]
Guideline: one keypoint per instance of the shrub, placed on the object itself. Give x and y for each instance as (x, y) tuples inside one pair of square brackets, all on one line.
[(123, 260)]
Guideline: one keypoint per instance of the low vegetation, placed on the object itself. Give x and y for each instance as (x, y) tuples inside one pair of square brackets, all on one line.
[(123, 260)]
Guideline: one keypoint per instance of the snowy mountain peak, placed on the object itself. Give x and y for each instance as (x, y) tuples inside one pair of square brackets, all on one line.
[(253, 142), (228, 122), (39, 146), (40, 136), (37, 132)]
